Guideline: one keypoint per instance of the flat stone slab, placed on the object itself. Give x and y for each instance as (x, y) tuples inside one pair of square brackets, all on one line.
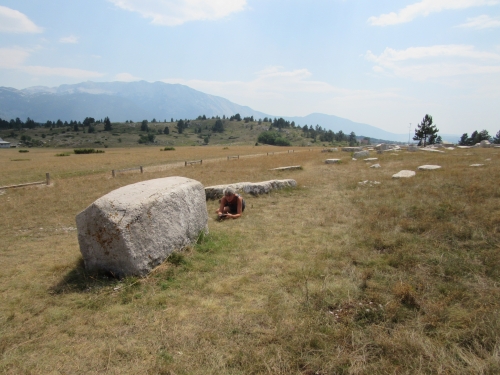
[(254, 188), (332, 161), (431, 150), (352, 149), (404, 174), (429, 167), (369, 183), (464, 147), (361, 154), (290, 168), (476, 165), (330, 150), (131, 230), (371, 159), (375, 166)]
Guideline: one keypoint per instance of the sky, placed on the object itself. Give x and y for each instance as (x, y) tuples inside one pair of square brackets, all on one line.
[(384, 63)]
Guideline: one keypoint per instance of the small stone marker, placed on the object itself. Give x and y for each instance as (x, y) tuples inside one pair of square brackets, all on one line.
[(352, 149), (476, 165), (404, 174), (369, 183), (431, 150), (375, 166), (290, 168), (371, 159), (429, 167), (361, 154), (332, 161)]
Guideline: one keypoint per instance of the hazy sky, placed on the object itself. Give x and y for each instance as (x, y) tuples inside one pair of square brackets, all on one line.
[(385, 63)]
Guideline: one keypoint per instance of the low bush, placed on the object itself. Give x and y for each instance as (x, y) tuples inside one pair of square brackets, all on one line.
[(168, 149), (24, 150), (273, 138), (87, 151)]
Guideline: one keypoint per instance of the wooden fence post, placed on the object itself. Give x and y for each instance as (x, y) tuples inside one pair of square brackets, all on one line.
[(141, 169), (185, 163), (113, 173), (47, 176), (201, 161)]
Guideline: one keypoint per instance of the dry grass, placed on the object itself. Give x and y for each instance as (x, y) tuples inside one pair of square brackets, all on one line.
[(329, 278)]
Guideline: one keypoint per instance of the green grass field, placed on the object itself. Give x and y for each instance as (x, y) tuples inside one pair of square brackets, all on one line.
[(332, 277)]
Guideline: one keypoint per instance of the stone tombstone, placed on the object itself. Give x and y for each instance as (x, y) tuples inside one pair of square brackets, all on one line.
[(404, 174), (131, 230), (361, 154), (352, 149), (254, 188), (429, 167)]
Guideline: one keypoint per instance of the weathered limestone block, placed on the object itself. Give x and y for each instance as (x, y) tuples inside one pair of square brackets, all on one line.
[(375, 166), (381, 147), (431, 150), (254, 188), (370, 159), (361, 154), (290, 168), (332, 161), (429, 167), (330, 150), (131, 230), (485, 144), (404, 174), (352, 149)]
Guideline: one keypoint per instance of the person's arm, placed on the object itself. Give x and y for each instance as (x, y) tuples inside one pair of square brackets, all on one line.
[(220, 211), (239, 209)]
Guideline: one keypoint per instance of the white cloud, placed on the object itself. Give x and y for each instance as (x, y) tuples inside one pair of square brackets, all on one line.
[(435, 61), (177, 12), (14, 58), (424, 8), (69, 39), (481, 22), (278, 91), (126, 77), (13, 21)]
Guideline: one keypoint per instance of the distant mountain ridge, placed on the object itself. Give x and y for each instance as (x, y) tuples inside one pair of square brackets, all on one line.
[(122, 101)]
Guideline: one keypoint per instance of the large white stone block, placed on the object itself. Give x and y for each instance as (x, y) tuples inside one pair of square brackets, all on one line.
[(131, 230)]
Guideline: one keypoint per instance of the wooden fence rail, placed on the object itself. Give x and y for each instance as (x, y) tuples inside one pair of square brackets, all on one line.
[(46, 182), (114, 172), (193, 162)]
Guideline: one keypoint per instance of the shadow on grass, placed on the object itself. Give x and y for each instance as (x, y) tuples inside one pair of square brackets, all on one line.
[(79, 280)]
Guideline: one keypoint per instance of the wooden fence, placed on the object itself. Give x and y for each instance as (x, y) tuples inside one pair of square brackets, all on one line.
[(46, 182), (114, 172), (186, 163)]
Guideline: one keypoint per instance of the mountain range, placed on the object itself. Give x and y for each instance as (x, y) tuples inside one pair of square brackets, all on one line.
[(122, 101)]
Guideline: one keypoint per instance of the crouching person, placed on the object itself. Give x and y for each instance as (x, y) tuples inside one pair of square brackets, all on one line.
[(231, 206)]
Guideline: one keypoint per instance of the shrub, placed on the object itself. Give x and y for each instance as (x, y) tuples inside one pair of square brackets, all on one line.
[(24, 150), (273, 138), (87, 151), (168, 149), (63, 154)]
